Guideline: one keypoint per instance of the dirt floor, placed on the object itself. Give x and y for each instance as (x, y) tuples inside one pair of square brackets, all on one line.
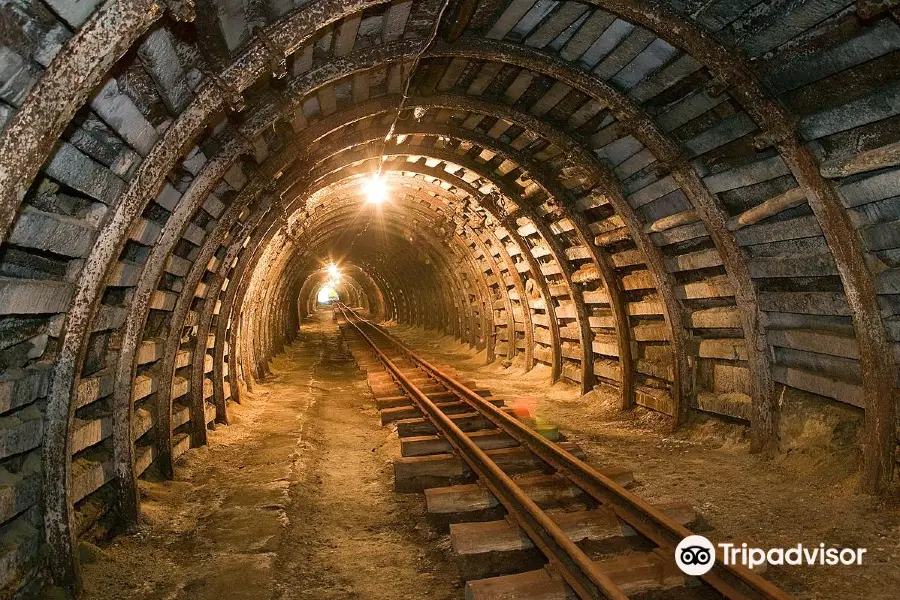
[(293, 500), (804, 496)]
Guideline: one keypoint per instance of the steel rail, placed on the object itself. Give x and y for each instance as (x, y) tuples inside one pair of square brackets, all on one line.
[(564, 556), (735, 582)]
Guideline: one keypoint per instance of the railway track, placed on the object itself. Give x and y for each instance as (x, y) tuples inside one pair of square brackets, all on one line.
[(496, 477)]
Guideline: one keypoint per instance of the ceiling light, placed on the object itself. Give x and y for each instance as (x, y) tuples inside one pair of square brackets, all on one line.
[(333, 271), (375, 190)]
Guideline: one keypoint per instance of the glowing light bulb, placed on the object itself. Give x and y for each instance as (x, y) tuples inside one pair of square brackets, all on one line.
[(333, 270), (375, 189)]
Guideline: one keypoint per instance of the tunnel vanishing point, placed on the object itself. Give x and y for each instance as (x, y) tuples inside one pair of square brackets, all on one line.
[(694, 205)]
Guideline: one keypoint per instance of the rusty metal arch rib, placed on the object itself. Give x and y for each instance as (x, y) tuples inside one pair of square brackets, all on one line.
[(261, 247), (58, 506), (779, 129), (27, 140), (243, 270), (668, 152)]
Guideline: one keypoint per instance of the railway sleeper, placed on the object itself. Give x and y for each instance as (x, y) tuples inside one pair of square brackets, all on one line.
[(548, 491), (499, 547), (401, 361), (416, 378), (380, 377), (417, 473), (393, 389), (467, 421), (468, 505), (381, 389), (634, 574), (425, 445), (364, 359), (401, 399), (389, 415), (487, 439)]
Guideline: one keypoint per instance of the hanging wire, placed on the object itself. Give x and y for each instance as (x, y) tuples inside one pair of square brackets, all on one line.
[(412, 71), (359, 233), (400, 107)]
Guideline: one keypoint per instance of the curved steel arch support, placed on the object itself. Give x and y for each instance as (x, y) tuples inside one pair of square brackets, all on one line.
[(237, 290), (667, 151), (584, 160), (77, 69)]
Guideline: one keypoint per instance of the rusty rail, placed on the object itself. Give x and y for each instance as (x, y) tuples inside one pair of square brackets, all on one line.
[(565, 557), (735, 582)]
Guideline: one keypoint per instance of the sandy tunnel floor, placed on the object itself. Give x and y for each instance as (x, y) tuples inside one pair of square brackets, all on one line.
[(293, 500), (799, 497)]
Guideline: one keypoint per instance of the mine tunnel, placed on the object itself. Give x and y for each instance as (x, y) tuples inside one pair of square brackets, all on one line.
[(483, 299)]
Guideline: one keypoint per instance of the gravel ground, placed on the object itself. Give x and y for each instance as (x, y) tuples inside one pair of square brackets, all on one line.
[(293, 500), (808, 495)]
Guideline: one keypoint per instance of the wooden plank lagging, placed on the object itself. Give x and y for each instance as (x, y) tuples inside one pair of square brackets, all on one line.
[(471, 165), (476, 195), (574, 292), (644, 129), (495, 269), (612, 285), (779, 129)]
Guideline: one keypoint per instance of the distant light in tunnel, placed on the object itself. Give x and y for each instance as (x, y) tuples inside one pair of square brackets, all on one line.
[(375, 190), (327, 294)]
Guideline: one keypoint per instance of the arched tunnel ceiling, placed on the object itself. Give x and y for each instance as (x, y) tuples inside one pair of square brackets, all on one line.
[(691, 205)]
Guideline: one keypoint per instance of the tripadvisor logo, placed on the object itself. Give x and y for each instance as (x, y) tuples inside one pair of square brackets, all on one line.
[(696, 555)]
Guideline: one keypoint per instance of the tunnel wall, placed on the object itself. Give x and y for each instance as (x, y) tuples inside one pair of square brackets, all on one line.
[(695, 207)]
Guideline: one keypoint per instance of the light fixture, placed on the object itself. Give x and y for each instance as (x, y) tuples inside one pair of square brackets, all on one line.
[(375, 190), (334, 275), (333, 271)]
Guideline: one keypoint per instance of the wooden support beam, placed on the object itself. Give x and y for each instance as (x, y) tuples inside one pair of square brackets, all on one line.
[(779, 130), (769, 208), (664, 147), (869, 160)]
